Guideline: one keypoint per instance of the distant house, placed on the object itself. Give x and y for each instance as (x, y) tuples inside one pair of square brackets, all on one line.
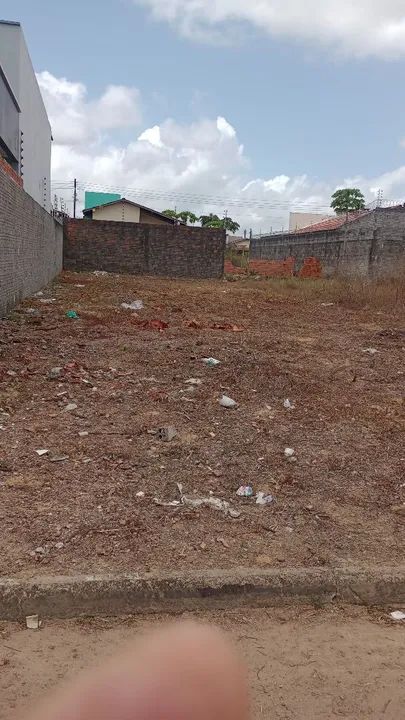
[(123, 210)]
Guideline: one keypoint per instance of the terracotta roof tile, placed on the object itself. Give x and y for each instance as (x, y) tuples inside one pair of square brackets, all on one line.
[(332, 223)]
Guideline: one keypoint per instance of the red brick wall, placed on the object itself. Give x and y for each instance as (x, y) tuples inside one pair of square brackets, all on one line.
[(9, 170), (142, 249)]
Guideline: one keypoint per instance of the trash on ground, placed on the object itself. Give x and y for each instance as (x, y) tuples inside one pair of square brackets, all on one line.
[(72, 315), (167, 433), (134, 305), (288, 405), (70, 407), (211, 362), (194, 381), (263, 499), (370, 351), (329, 304), (39, 294), (33, 622), (100, 273), (59, 545), (223, 542), (80, 286), (154, 325), (59, 458), (41, 453), (47, 301), (227, 402), (140, 494), (289, 452), (213, 502), (193, 324), (245, 491), (83, 433), (55, 373), (398, 615), (227, 326)]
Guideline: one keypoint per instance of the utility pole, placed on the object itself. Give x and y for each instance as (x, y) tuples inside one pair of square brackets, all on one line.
[(74, 197)]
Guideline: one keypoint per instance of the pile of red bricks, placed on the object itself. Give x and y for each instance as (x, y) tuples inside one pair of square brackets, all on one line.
[(273, 268), (230, 269), (311, 268)]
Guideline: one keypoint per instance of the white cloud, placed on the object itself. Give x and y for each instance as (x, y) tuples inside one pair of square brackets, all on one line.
[(359, 28), (76, 120), (199, 166)]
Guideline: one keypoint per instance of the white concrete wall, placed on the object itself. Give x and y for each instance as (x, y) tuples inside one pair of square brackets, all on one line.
[(34, 123), (121, 212), (302, 220)]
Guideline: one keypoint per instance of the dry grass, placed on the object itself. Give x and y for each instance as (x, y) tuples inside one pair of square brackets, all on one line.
[(348, 292)]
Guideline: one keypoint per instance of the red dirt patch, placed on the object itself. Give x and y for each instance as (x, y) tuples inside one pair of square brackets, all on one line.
[(79, 505)]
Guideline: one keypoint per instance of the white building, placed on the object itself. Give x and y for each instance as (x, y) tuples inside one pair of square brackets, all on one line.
[(34, 161), (300, 220)]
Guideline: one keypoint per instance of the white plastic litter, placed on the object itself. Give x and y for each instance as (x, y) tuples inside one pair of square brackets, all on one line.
[(263, 499), (41, 453), (245, 491), (32, 622), (211, 362), (289, 452), (370, 351), (140, 494), (227, 402), (288, 405), (398, 615), (213, 502), (135, 305)]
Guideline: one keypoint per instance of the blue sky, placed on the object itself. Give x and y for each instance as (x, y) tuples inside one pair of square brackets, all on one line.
[(323, 100)]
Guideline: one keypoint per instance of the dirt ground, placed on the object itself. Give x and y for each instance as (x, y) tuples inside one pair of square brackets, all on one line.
[(78, 509), (302, 663)]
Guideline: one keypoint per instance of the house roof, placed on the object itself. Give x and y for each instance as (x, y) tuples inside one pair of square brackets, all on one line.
[(89, 210), (332, 223)]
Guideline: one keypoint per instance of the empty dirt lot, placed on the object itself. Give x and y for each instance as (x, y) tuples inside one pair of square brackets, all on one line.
[(301, 663), (89, 503)]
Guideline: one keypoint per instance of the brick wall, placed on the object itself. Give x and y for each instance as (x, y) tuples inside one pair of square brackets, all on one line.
[(142, 249), (10, 171), (371, 246), (31, 244)]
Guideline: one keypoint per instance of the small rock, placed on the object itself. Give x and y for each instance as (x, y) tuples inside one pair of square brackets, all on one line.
[(398, 615), (11, 373), (203, 546), (83, 433), (41, 453), (289, 452), (140, 494), (70, 407), (227, 402), (264, 561), (59, 545), (223, 542), (55, 373), (59, 458), (194, 381), (167, 433)]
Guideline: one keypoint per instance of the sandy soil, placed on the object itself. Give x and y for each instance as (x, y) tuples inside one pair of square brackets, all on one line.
[(303, 664), (77, 508)]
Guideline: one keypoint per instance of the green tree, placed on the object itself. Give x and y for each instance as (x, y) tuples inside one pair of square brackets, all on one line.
[(170, 214), (347, 200), (214, 221), (210, 220), (187, 217)]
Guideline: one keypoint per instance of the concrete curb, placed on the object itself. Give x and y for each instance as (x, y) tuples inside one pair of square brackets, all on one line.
[(64, 597)]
